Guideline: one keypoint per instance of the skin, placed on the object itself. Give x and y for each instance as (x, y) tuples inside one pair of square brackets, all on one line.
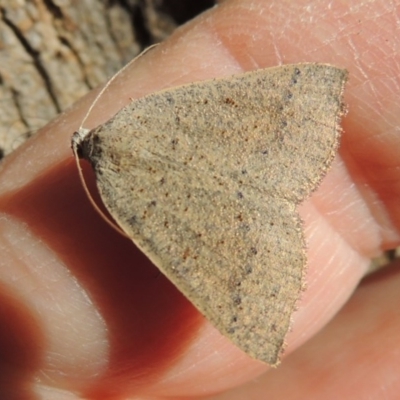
[(85, 316)]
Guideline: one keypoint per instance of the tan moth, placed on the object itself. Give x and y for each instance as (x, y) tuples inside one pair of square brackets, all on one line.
[(205, 179)]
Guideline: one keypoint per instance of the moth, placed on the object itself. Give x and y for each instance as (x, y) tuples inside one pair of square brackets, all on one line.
[(205, 179)]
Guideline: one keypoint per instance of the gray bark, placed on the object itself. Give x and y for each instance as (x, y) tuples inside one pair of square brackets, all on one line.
[(52, 52)]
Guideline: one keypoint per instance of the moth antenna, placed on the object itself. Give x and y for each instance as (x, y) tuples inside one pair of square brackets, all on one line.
[(79, 135), (105, 87), (75, 150)]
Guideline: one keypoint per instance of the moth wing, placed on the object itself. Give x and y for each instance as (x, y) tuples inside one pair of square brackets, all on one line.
[(276, 129), (237, 257)]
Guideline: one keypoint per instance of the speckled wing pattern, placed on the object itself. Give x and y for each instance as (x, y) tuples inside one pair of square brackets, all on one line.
[(205, 179)]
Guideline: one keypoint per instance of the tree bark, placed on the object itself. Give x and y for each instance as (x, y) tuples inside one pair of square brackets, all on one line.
[(52, 52)]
